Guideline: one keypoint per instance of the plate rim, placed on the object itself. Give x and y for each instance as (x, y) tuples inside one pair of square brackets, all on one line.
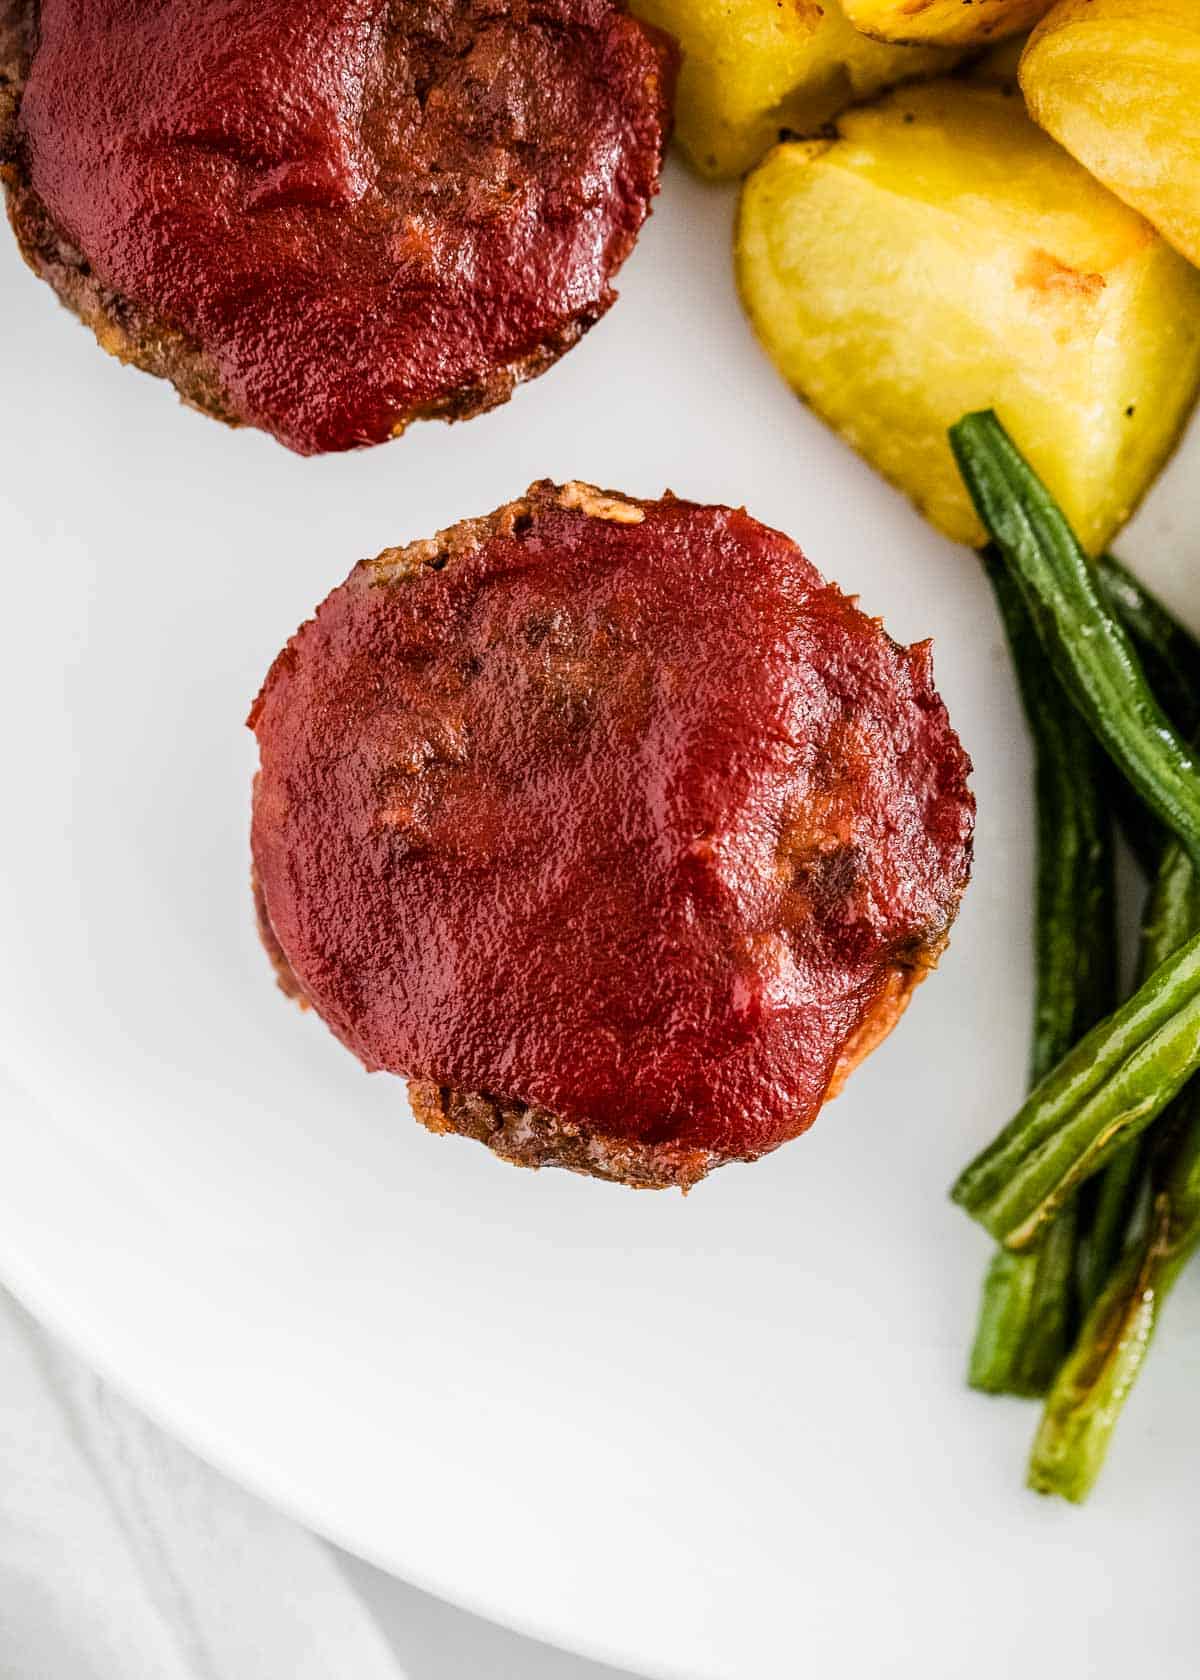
[(52, 1313)]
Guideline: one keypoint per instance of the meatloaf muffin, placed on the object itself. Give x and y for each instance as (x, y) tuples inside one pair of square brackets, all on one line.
[(327, 218), (611, 826)]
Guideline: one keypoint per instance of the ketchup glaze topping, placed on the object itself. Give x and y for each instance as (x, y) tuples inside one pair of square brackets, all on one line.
[(361, 211), (610, 807)]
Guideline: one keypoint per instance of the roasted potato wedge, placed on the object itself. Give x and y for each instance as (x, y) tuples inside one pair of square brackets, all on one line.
[(941, 255), (755, 68), (1118, 83), (946, 23)]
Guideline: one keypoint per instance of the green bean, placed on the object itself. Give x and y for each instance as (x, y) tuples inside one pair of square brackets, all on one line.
[(1124, 1292), (1118, 1194), (1076, 980), (1026, 1311), (1171, 916), (1172, 911), (1095, 1382), (1028, 1301), (1090, 651), (1143, 833), (1027, 1298), (1104, 1093), (1169, 653), (1170, 657), (1096, 1108)]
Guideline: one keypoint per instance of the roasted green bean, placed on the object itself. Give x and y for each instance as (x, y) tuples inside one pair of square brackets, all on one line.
[(1104, 1093), (1092, 655), (1094, 1384), (1169, 653), (1170, 657), (1172, 915), (1029, 1300), (1098, 1107)]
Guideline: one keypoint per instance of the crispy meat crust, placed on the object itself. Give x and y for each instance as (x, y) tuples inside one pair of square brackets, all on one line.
[(441, 230), (533, 1137), (535, 1134), (16, 28)]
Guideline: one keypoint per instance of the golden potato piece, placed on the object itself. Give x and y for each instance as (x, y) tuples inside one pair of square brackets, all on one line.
[(755, 68), (947, 23), (1118, 83), (942, 255)]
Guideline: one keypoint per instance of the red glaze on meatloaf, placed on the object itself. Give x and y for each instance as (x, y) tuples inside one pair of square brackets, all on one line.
[(611, 824), (340, 215)]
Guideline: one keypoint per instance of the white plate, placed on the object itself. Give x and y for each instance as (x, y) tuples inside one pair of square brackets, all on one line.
[(718, 1438)]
